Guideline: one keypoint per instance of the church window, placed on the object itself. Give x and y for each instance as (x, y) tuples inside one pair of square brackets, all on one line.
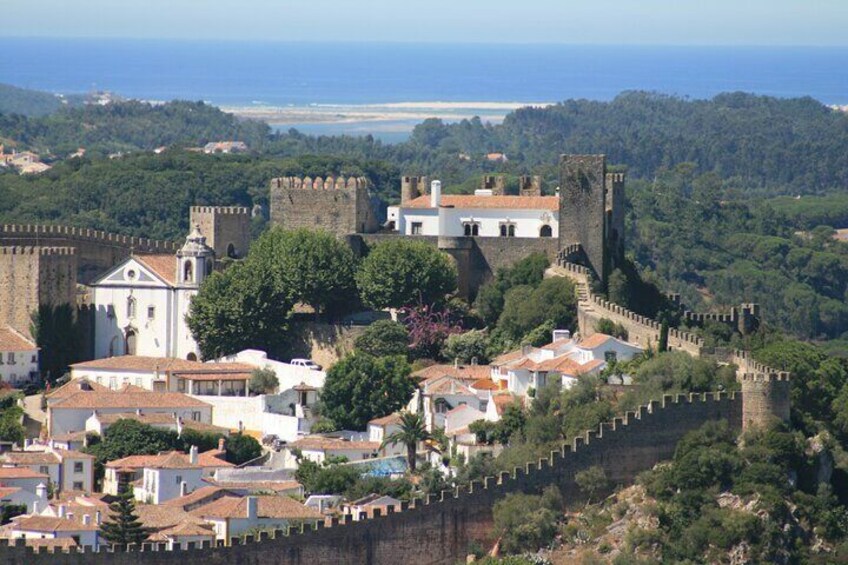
[(546, 231), (187, 271), (131, 307), (131, 274), (151, 312), (511, 230), (507, 229), (471, 228)]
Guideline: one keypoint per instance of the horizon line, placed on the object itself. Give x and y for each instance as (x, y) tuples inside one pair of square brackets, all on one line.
[(422, 43)]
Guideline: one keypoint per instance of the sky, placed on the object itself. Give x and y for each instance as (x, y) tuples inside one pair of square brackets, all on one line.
[(615, 22)]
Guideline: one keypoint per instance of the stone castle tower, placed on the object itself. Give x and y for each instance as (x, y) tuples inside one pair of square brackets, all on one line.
[(495, 183), (765, 399), (530, 185), (583, 208), (226, 228), (339, 205), (412, 187), (35, 276)]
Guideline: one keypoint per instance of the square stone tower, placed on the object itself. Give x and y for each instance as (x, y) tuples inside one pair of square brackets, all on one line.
[(226, 228), (582, 208)]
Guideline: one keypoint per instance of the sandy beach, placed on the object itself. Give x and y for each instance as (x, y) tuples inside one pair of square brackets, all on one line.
[(493, 112)]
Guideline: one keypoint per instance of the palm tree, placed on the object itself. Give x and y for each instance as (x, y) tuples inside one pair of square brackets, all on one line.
[(412, 430)]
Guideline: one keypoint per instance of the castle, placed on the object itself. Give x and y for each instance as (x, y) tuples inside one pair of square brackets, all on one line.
[(482, 232)]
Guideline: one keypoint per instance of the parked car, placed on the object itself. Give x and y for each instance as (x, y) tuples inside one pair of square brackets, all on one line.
[(307, 363)]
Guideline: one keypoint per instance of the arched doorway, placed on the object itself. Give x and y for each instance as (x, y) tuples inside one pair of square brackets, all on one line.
[(130, 340), (191, 357), (231, 251), (546, 231)]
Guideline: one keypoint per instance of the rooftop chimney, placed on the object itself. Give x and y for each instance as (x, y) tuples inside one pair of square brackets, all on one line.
[(138, 411), (41, 491), (192, 455), (221, 444), (436, 194), (252, 507), (183, 488), (561, 334), (62, 510)]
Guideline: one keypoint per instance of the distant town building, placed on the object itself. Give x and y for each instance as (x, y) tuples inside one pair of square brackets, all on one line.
[(18, 358), (225, 147)]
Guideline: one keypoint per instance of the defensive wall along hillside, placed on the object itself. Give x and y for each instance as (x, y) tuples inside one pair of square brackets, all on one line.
[(96, 251), (440, 529)]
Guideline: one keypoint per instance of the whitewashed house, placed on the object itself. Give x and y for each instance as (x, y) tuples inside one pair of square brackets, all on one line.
[(232, 516), (482, 214), (142, 302), (18, 358)]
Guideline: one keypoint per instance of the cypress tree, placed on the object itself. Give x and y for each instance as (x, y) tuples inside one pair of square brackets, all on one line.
[(124, 526), (663, 344)]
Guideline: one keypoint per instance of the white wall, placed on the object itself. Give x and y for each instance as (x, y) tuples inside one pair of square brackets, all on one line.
[(66, 420), (288, 375), (18, 367), (115, 379), (70, 476), (161, 485), (449, 221)]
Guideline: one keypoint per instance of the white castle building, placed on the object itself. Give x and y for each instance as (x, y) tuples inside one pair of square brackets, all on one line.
[(142, 302), (484, 214)]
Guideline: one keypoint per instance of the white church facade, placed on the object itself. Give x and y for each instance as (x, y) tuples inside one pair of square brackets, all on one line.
[(141, 303)]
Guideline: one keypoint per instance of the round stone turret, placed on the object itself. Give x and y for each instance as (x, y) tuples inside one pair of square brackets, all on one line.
[(765, 399)]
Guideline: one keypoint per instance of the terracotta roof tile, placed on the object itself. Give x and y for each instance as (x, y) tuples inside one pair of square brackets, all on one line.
[(74, 386), (507, 202), (213, 458), (199, 495), (326, 443), (256, 486), (484, 384), (141, 363), (463, 372), (281, 507), (127, 400), (49, 524), (11, 340), (20, 473), (386, 420), (165, 266), (8, 491), (594, 340), (30, 458), (56, 543), (215, 375), (160, 516)]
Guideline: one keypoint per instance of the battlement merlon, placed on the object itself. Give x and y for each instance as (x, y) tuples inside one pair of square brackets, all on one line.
[(318, 183), (37, 250), (778, 376), (221, 210)]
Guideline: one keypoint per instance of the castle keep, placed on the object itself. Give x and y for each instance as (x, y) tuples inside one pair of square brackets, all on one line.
[(339, 205)]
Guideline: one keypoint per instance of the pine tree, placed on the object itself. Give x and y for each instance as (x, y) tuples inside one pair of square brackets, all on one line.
[(124, 526)]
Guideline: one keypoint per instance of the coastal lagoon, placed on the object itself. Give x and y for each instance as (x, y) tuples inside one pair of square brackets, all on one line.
[(384, 89)]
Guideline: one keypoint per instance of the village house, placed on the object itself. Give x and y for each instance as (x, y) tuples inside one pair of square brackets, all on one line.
[(563, 362), (232, 516), (70, 412), (99, 423), (18, 358), (66, 470), (24, 478), (166, 374), (319, 449), (16, 496), (368, 504), (63, 531)]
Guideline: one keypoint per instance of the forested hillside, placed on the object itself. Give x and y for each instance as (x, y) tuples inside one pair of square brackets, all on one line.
[(14, 100), (704, 182), (128, 126)]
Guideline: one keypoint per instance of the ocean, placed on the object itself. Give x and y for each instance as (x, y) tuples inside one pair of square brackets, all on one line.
[(367, 87)]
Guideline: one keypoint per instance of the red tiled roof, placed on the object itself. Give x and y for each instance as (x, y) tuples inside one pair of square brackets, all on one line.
[(463, 372), (127, 400), (8, 491), (48, 524), (326, 443), (281, 507), (11, 340), (165, 266), (193, 498), (30, 458), (74, 386), (215, 375), (386, 420), (213, 458), (142, 363), (594, 340), (507, 202), (484, 384), (255, 486), (20, 473)]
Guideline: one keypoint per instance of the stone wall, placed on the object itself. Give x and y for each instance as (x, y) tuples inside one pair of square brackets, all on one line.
[(35, 276), (439, 530), (582, 208), (477, 258), (96, 251)]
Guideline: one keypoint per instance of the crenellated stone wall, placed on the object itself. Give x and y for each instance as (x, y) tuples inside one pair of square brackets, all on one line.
[(439, 530)]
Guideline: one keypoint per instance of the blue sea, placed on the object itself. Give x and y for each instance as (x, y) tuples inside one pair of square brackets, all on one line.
[(345, 87)]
